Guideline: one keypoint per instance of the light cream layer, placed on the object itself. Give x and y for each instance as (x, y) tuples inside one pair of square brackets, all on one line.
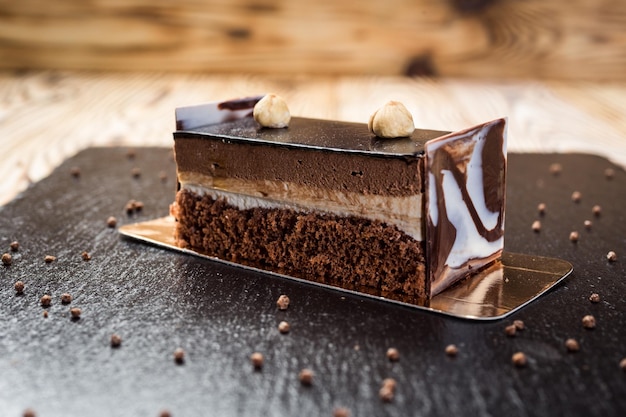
[(403, 212)]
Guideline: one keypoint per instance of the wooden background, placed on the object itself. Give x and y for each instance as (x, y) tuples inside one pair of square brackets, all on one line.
[(561, 39)]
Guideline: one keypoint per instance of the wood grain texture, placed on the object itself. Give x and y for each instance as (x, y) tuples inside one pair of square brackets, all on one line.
[(574, 39), (46, 117)]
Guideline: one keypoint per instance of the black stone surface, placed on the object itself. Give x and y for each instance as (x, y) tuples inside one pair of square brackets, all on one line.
[(158, 300)]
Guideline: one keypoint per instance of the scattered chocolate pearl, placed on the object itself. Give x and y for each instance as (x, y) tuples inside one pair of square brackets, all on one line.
[(133, 206), (15, 246), (387, 391), (341, 412), (393, 355), (7, 259), (75, 313), (257, 360), (116, 341), (306, 377), (572, 345), (519, 359), (556, 168), (49, 259), (622, 364), (609, 173), (86, 256), (19, 287), (135, 172), (589, 322), (165, 413), (283, 327), (111, 222), (29, 413), (594, 298), (536, 226), (179, 356), (45, 314), (46, 300), (611, 256), (576, 196), (452, 350), (541, 208), (519, 324), (588, 224), (75, 172), (66, 298), (510, 330), (282, 302), (596, 210), (574, 236)]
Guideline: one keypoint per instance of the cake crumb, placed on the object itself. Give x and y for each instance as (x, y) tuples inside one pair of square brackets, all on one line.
[(541, 208), (111, 221), (589, 322), (588, 224), (49, 259), (519, 324), (75, 313), (66, 298), (306, 377), (19, 287), (393, 355), (574, 236), (283, 327), (510, 330), (75, 172), (86, 256), (46, 300), (594, 298), (388, 389), (116, 340), (519, 359), (452, 350), (15, 246), (556, 168), (283, 302), (257, 360), (7, 259), (611, 256), (572, 345), (576, 196), (596, 210), (536, 226), (29, 413), (179, 356), (341, 412)]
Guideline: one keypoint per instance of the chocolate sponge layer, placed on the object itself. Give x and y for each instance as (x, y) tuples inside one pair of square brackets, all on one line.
[(348, 252)]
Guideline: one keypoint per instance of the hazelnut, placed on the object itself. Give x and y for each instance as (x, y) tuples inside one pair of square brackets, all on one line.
[(392, 120), (272, 111)]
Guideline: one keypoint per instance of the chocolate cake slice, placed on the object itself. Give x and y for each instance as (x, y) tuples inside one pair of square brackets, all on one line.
[(330, 202)]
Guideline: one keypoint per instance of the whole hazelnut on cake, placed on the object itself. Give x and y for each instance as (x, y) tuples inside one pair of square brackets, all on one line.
[(392, 120), (272, 111)]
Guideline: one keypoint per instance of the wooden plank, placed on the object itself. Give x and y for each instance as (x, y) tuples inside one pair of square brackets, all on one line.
[(573, 39)]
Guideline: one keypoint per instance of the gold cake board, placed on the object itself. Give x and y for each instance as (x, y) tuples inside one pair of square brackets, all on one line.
[(490, 294)]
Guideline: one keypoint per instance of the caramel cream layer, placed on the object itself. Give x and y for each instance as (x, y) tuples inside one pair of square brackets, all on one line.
[(404, 212)]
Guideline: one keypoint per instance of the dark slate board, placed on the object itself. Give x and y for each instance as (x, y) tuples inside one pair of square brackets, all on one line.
[(158, 300)]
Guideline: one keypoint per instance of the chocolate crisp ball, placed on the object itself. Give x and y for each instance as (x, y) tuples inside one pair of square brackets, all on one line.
[(306, 377), (257, 360), (179, 356), (283, 302), (19, 287), (572, 345), (116, 341), (7, 259), (452, 350), (589, 322), (519, 359), (15, 246), (393, 355), (283, 327), (510, 330)]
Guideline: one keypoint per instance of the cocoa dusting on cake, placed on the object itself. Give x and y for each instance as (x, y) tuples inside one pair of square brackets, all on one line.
[(7, 259), (283, 327), (15, 246), (283, 302), (572, 345), (536, 226), (510, 330), (306, 377), (611, 256), (66, 298), (589, 322), (393, 355), (387, 390), (111, 221), (45, 300), (519, 359), (19, 287), (576, 196), (451, 350), (179, 356), (594, 298), (86, 256), (49, 259), (116, 340), (257, 360)]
